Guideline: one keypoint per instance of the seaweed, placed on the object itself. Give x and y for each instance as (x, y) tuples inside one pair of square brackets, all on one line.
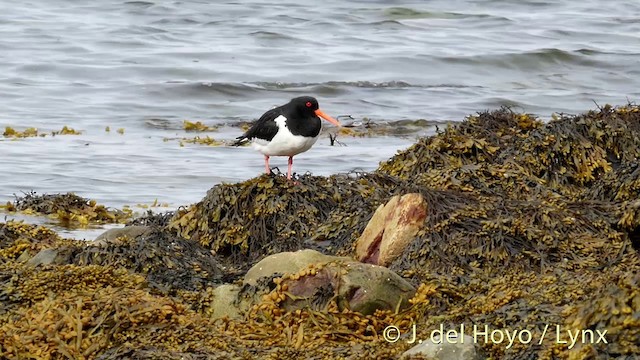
[(69, 209), (152, 219), (10, 132), (20, 239), (169, 263), (256, 218), (530, 224), (197, 126), (208, 141)]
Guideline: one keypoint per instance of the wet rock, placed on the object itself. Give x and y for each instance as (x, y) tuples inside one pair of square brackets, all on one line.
[(391, 229), (130, 232), (452, 348), (359, 287)]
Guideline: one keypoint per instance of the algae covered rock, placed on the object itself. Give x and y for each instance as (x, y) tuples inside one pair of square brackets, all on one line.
[(361, 288), (22, 285), (312, 280), (268, 214), (392, 227), (565, 154), (69, 209), (262, 216), (478, 139), (77, 325)]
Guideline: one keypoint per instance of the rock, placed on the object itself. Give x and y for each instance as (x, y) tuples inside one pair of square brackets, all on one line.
[(286, 263), (359, 287), (110, 235), (313, 279), (50, 256), (44, 257), (24, 257), (226, 302), (391, 229), (452, 348)]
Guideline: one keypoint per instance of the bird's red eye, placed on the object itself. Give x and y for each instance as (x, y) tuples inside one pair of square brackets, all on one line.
[(308, 104)]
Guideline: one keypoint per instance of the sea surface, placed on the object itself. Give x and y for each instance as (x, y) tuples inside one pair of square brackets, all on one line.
[(146, 66)]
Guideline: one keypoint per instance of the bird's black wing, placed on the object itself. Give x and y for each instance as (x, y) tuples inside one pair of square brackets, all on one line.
[(264, 128)]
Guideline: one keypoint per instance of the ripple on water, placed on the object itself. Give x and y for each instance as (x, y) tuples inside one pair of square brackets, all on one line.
[(529, 60), (401, 13)]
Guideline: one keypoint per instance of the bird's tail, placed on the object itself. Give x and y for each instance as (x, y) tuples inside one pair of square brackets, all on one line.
[(240, 140)]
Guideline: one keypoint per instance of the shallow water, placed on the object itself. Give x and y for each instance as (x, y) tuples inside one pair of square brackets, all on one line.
[(145, 66)]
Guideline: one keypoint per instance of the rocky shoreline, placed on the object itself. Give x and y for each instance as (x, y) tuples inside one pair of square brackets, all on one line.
[(501, 225)]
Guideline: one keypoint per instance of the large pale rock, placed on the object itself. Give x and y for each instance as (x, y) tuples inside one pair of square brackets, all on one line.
[(313, 279), (360, 287), (452, 348), (391, 229), (286, 263)]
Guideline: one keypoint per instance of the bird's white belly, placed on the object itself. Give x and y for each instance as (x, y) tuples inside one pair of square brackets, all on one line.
[(284, 144)]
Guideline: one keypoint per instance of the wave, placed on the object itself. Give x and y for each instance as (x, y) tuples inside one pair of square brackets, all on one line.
[(140, 3), (359, 84), (529, 59), (271, 35), (329, 88), (402, 13)]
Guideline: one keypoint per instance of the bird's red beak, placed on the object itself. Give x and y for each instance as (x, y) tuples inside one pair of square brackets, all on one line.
[(327, 117)]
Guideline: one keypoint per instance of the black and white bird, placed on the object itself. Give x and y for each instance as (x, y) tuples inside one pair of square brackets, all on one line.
[(287, 130)]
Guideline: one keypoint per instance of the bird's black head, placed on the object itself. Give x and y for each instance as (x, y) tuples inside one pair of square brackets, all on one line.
[(305, 105)]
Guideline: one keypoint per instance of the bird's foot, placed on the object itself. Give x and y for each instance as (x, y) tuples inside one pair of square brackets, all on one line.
[(291, 178)]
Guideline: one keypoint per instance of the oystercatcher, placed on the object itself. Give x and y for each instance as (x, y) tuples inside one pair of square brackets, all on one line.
[(287, 130)]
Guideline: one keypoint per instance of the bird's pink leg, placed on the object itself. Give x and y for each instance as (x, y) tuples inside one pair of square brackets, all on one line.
[(266, 164), (290, 165)]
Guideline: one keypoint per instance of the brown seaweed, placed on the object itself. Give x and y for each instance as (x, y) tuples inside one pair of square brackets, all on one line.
[(529, 225)]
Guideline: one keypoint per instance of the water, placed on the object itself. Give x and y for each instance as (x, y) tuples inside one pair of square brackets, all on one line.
[(146, 66)]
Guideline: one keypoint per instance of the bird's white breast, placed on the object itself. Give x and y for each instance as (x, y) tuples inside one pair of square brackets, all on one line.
[(284, 143)]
